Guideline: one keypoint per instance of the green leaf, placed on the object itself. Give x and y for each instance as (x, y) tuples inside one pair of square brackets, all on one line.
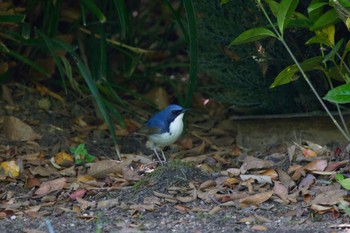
[(123, 17), (324, 36), (311, 63), (285, 76), (286, 9), (193, 49), (274, 7), (95, 10), (89, 158), (316, 6), (345, 183), (251, 35), (334, 50), (288, 74), (328, 18), (339, 95)]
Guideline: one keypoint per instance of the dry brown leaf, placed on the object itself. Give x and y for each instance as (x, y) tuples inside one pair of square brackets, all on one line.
[(183, 209), (107, 204), (321, 209), (281, 191), (309, 153), (64, 159), (51, 186), (44, 171), (129, 174), (334, 165), (271, 173), (255, 199), (69, 171), (316, 165), (195, 159), (162, 195), (259, 228), (306, 182), (44, 90), (258, 178), (207, 184), (141, 207), (262, 219), (186, 199), (32, 182), (331, 197), (84, 205), (251, 162), (84, 178), (77, 193), (151, 200), (214, 210), (101, 169), (16, 130), (234, 171), (291, 152)]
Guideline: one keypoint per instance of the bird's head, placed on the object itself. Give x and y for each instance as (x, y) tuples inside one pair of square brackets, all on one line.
[(164, 118)]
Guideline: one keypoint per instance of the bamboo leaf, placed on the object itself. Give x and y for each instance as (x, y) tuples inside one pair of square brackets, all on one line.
[(339, 95), (251, 35), (95, 10), (328, 18), (286, 9)]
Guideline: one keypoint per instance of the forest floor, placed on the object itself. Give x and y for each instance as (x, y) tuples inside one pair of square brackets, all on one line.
[(213, 185)]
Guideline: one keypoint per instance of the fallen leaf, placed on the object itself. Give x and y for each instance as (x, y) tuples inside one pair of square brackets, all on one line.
[(259, 228), (182, 209), (321, 209), (259, 179), (309, 153), (281, 191), (16, 130), (207, 184), (84, 205), (316, 165), (64, 159), (307, 181), (214, 210), (255, 199), (251, 162), (107, 204), (77, 193), (101, 169), (234, 171), (32, 182), (331, 197), (10, 168), (51, 186)]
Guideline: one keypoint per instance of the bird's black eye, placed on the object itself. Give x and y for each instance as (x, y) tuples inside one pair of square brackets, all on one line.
[(174, 112)]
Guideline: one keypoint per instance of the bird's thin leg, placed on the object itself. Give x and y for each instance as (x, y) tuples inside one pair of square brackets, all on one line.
[(163, 155), (155, 151)]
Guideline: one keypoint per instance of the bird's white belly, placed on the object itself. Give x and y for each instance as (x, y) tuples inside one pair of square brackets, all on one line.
[(168, 138)]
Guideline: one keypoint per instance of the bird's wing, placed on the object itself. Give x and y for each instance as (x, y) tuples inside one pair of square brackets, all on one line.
[(156, 126)]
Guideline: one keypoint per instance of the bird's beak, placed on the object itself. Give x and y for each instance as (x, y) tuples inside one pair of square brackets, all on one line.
[(184, 110)]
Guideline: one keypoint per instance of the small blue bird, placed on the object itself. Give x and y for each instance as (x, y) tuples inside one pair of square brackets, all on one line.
[(165, 127)]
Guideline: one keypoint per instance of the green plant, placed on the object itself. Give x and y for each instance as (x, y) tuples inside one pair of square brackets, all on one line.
[(345, 183), (81, 155), (322, 23)]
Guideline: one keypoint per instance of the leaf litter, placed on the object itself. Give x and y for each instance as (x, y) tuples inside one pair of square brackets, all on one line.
[(208, 175)]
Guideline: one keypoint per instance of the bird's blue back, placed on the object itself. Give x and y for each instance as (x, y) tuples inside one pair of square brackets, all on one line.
[(160, 121)]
